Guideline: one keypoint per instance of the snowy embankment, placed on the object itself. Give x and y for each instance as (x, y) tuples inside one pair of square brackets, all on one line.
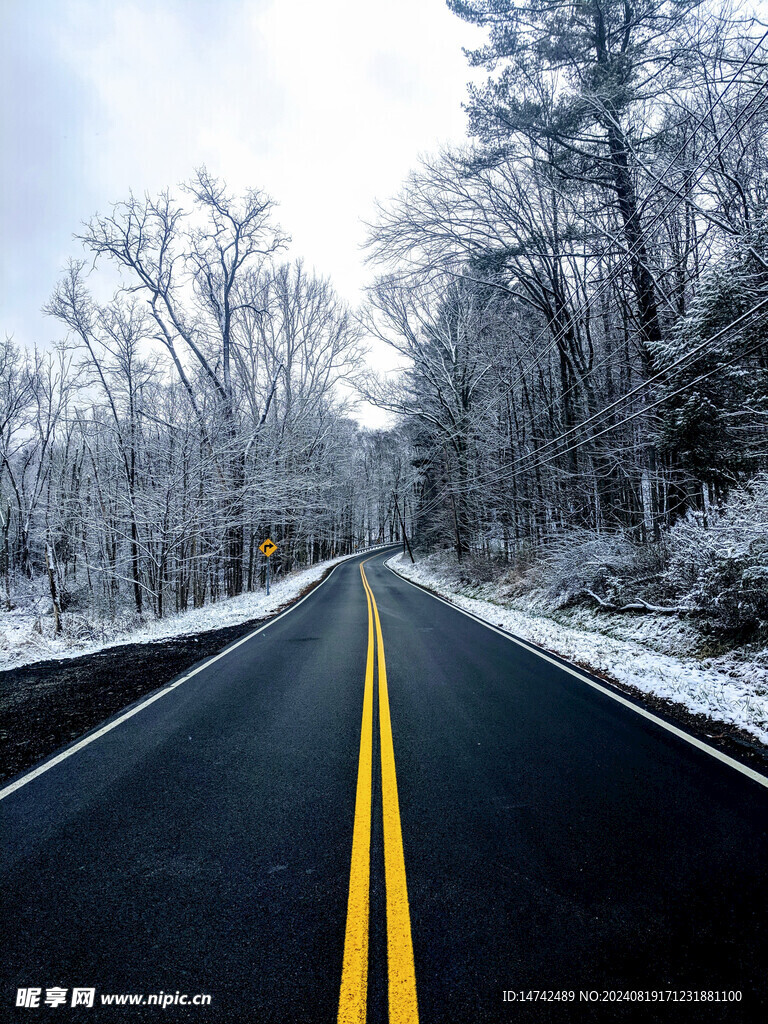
[(26, 636), (635, 651)]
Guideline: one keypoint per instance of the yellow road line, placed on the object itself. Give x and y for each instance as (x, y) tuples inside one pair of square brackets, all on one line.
[(403, 1007), (353, 999)]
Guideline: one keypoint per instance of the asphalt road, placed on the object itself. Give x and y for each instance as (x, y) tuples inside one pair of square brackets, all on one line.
[(517, 831)]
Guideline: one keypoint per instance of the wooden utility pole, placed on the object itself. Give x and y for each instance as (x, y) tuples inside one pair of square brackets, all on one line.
[(405, 535)]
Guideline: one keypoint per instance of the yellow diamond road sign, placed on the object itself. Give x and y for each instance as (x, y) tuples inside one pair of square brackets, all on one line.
[(268, 547)]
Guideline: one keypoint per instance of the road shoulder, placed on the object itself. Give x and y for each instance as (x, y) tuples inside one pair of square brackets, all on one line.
[(48, 705), (728, 738)]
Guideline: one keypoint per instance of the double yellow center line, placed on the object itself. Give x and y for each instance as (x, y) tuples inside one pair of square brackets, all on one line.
[(353, 999)]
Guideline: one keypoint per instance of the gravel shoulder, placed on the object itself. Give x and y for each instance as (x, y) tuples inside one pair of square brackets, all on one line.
[(48, 704)]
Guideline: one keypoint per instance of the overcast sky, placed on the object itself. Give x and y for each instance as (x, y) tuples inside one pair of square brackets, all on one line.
[(326, 105)]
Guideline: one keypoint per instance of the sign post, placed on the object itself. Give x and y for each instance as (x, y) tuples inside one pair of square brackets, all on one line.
[(267, 548)]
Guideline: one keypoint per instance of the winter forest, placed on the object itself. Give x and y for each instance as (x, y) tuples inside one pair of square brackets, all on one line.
[(577, 299)]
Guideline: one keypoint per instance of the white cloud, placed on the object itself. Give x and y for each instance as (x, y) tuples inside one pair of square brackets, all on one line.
[(325, 105)]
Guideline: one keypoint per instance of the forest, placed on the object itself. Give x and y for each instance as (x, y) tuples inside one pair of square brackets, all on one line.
[(577, 299), (180, 423)]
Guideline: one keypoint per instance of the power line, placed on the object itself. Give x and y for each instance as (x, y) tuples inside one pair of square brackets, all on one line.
[(538, 464), (633, 250), (690, 356), (508, 389), (660, 401), (673, 199)]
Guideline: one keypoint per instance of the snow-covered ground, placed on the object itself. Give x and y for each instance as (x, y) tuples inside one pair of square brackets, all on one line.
[(27, 636), (636, 651)]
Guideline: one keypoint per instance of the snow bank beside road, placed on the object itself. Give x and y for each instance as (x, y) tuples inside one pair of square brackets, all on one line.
[(22, 644), (725, 689)]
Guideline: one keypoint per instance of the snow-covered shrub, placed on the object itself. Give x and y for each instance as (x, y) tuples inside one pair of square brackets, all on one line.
[(478, 569), (526, 576), (607, 565), (81, 629), (719, 562)]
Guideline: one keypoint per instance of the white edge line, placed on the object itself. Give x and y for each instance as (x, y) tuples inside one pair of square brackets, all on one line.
[(762, 780), (91, 737)]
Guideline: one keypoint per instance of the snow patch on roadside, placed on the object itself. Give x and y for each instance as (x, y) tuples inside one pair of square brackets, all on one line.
[(22, 644), (728, 688)]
